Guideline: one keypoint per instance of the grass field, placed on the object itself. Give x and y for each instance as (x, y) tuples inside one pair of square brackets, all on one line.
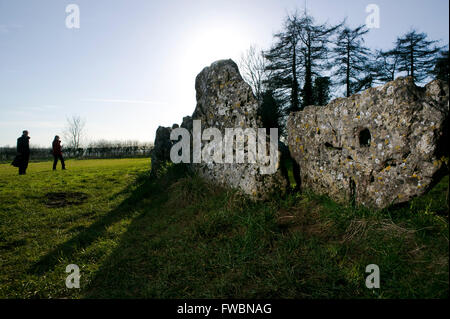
[(179, 237)]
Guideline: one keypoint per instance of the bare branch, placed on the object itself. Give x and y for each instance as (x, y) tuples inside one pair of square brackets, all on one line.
[(74, 132)]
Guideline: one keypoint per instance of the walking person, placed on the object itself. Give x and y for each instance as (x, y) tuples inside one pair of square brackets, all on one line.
[(57, 153), (23, 150)]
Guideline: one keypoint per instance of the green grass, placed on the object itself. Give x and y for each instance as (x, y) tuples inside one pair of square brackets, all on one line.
[(180, 237)]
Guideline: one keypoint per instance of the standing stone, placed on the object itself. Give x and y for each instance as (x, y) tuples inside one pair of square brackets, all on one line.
[(224, 100), (161, 149), (380, 147)]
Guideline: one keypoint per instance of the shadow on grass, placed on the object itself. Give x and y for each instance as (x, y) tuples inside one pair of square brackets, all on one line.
[(145, 187), (222, 252), (130, 270), (220, 247)]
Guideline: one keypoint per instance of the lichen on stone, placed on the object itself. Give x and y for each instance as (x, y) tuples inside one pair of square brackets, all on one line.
[(390, 133)]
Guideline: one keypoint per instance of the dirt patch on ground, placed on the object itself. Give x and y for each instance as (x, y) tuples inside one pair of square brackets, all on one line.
[(62, 199)]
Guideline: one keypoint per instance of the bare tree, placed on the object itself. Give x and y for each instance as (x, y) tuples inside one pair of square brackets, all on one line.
[(74, 132), (252, 65)]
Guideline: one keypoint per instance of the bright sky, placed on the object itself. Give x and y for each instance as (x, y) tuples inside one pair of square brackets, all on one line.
[(131, 65)]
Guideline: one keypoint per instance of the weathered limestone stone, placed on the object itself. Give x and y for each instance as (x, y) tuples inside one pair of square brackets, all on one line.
[(380, 147), (224, 100), (161, 149)]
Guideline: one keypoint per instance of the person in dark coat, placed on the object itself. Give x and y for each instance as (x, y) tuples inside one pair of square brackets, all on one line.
[(23, 150), (57, 153)]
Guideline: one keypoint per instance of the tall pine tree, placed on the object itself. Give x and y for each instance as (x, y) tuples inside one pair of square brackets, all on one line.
[(270, 112), (321, 90), (441, 66), (314, 42), (284, 65), (350, 60), (299, 55), (416, 54)]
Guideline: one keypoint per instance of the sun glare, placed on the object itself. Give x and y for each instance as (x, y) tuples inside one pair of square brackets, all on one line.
[(217, 43), (209, 45), (199, 49)]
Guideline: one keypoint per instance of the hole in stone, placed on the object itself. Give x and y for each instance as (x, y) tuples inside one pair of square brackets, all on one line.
[(364, 138)]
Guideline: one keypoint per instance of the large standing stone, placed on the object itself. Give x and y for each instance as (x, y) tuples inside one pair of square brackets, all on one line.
[(380, 147), (224, 100)]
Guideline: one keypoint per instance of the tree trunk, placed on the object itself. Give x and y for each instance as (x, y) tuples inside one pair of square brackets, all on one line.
[(412, 62), (348, 70), (294, 90)]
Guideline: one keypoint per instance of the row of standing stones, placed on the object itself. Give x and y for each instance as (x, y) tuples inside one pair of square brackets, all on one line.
[(378, 148)]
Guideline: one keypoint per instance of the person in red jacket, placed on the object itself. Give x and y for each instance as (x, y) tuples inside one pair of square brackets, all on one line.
[(57, 153)]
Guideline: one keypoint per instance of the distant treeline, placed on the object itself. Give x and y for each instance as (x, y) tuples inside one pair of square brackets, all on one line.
[(99, 149)]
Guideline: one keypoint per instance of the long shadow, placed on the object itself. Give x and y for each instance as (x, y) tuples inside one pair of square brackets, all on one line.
[(146, 187), (127, 272)]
